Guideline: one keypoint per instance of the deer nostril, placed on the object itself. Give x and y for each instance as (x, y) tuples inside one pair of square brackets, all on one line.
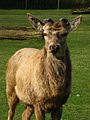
[(57, 47), (51, 47)]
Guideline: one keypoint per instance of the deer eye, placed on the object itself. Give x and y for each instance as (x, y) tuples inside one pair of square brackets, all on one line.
[(45, 34), (64, 34)]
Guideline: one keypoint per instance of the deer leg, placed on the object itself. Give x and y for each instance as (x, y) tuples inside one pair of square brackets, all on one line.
[(56, 114), (12, 102), (27, 113), (39, 114)]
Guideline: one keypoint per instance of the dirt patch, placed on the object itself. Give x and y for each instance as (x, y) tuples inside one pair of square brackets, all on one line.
[(18, 33), (81, 11)]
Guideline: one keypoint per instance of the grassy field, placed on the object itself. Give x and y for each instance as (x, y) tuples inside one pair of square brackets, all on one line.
[(78, 105)]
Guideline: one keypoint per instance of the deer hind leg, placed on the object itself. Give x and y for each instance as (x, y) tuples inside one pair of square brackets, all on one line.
[(27, 113), (39, 114), (56, 114), (12, 102)]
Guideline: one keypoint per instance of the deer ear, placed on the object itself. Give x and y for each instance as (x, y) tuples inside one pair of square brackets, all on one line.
[(36, 23), (75, 23)]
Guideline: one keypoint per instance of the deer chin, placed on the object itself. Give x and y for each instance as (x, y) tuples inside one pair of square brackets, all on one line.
[(57, 55)]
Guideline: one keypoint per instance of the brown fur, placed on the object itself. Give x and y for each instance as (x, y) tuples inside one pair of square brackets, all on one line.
[(43, 81), (40, 78)]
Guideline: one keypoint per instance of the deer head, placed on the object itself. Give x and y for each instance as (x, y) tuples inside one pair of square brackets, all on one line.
[(55, 33)]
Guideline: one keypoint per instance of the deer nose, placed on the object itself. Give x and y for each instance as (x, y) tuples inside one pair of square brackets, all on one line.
[(54, 48)]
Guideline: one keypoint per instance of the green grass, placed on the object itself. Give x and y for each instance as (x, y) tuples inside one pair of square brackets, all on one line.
[(77, 107)]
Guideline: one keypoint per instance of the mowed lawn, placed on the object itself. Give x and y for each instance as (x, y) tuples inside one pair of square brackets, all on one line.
[(78, 104)]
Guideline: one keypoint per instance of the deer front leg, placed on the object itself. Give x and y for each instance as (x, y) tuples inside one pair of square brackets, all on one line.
[(39, 114), (12, 103), (27, 113), (56, 114)]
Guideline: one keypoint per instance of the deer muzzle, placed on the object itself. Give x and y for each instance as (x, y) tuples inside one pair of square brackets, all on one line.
[(54, 48)]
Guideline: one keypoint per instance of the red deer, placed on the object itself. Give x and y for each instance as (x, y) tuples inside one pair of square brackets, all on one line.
[(42, 78)]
